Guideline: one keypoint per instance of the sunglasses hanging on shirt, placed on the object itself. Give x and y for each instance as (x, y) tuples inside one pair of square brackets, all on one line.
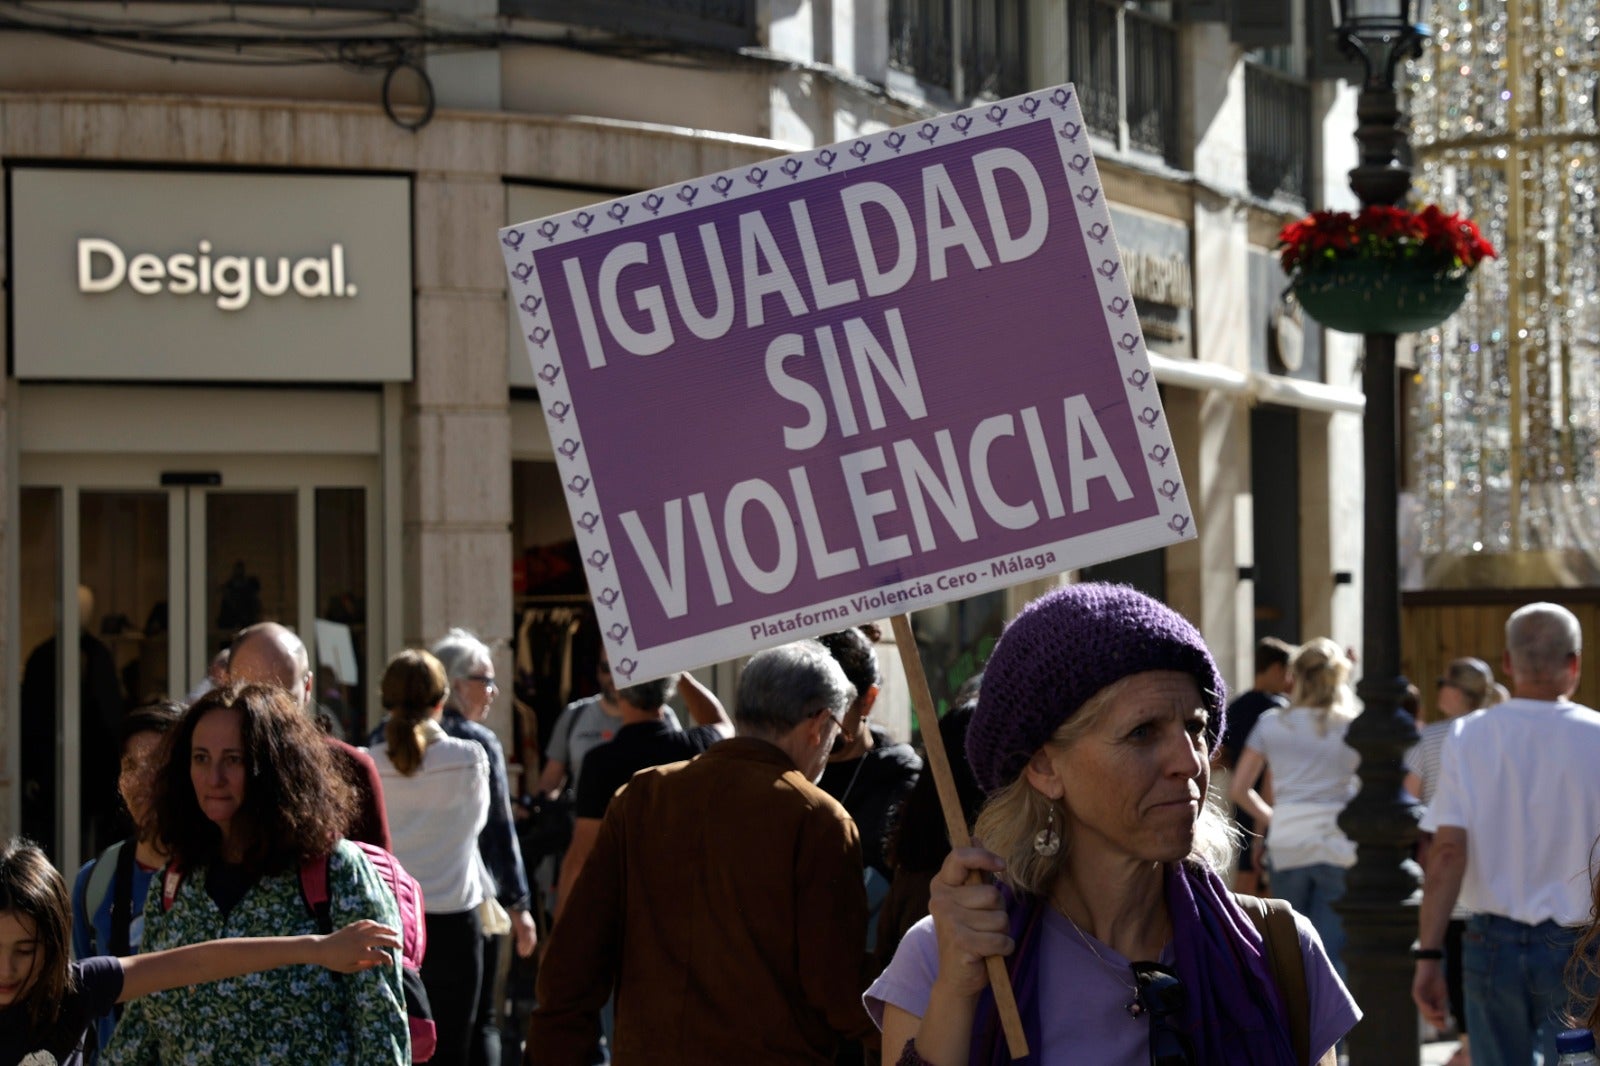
[(1162, 996)]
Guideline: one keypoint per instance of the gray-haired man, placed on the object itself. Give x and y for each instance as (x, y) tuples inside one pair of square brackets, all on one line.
[(723, 898), (1513, 818), (270, 654)]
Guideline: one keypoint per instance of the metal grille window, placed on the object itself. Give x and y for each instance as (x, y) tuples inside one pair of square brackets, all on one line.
[(967, 48), (1151, 84), (1125, 65), (1094, 64), (1277, 132), (995, 57), (712, 23), (338, 5), (920, 39)]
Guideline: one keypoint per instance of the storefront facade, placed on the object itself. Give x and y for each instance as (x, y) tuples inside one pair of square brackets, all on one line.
[(260, 361), (272, 382), (202, 363)]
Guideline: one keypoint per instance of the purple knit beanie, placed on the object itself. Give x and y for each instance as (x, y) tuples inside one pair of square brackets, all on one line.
[(1063, 648)]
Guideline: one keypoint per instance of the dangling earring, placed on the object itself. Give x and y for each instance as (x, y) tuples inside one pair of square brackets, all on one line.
[(1046, 842)]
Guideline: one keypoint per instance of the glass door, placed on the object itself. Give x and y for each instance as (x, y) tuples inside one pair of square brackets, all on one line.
[(112, 551), (243, 565), (245, 554), (154, 579)]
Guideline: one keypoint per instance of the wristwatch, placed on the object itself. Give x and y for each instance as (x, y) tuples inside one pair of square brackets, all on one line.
[(1424, 954)]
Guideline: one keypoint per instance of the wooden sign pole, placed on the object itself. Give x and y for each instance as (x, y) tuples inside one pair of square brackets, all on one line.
[(954, 819)]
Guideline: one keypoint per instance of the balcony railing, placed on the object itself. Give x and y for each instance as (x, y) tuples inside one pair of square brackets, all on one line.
[(1094, 63), (967, 48), (708, 23), (1151, 84), (921, 36), (1125, 65), (995, 60), (1277, 133), (337, 5)]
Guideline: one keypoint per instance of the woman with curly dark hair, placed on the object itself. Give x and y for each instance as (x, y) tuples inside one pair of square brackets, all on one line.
[(247, 804)]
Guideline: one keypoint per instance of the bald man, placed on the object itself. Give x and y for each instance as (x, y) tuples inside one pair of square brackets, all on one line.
[(270, 654)]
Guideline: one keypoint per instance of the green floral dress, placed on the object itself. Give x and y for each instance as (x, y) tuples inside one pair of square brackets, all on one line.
[(292, 1016)]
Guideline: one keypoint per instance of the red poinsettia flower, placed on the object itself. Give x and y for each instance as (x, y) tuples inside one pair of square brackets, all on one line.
[(1430, 238)]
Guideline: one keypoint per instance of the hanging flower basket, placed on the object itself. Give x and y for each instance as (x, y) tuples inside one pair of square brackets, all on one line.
[(1373, 296), (1384, 270)]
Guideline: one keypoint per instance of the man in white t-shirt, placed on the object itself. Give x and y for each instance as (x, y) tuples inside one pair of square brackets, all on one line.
[(1514, 818)]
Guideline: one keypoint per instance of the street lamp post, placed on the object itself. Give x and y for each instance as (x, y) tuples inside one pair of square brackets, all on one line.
[(1378, 908)]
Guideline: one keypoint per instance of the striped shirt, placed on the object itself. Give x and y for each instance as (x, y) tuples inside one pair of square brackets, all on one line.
[(1423, 758)]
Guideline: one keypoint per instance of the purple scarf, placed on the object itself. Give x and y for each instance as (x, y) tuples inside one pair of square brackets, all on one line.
[(1220, 958)]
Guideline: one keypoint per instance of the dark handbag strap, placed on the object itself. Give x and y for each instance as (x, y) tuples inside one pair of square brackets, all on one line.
[(122, 901), (569, 790), (572, 726), (314, 891), (1274, 920)]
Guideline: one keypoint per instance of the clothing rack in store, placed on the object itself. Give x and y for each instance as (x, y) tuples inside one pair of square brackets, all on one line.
[(556, 649)]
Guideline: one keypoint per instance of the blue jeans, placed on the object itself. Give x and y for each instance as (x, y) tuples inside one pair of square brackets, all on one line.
[(1313, 890), (1514, 979)]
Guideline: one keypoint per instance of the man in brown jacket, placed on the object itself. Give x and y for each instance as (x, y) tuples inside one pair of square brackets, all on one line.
[(723, 900)]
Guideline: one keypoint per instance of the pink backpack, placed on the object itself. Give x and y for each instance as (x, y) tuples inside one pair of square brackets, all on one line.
[(413, 930), (407, 895)]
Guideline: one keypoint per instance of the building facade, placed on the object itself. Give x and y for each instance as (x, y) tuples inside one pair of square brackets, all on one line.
[(260, 362)]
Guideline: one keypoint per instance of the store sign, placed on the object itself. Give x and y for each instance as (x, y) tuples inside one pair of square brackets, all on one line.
[(103, 267), (1282, 341), (1155, 254), (846, 383), (140, 275)]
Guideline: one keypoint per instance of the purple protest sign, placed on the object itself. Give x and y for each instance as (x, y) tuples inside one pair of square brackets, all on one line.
[(847, 383)]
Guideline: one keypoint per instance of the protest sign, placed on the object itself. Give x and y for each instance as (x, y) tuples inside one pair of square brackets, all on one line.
[(848, 383)]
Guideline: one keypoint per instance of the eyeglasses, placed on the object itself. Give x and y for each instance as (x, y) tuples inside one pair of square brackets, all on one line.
[(844, 734), (487, 682), (1163, 997)]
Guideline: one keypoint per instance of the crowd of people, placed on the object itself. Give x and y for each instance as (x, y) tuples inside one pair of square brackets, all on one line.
[(777, 884), (1505, 951)]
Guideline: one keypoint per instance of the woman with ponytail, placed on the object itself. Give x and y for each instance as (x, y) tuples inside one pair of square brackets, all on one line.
[(437, 790), (1313, 778)]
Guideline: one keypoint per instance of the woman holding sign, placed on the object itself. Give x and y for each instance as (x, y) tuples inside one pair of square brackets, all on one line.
[(1092, 739)]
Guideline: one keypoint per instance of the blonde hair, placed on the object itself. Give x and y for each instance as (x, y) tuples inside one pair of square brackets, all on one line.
[(413, 684), (1014, 814), (1322, 682), (1475, 680)]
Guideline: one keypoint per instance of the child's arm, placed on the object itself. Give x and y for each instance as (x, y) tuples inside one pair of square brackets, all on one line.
[(358, 946)]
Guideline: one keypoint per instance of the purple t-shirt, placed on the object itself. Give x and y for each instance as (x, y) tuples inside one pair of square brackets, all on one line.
[(1089, 1021)]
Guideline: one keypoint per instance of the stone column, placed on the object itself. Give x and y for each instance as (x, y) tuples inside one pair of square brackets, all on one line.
[(1330, 545), (1215, 428), (468, 79), (456, 426)]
